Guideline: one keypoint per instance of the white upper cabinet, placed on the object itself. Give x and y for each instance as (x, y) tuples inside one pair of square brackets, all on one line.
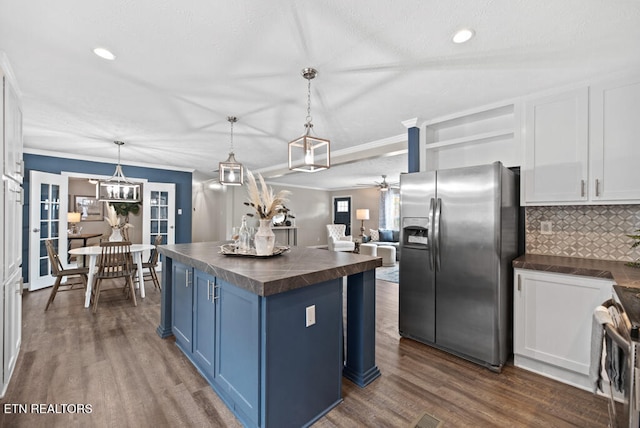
[(583, 146), (615, 141), (12, 119), (556, 133)]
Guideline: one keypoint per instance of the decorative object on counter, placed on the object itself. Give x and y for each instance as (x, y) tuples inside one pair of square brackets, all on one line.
[(307, 153), (230, 250), (265, 239), (636, 237), (266, 205), (231, 171), (244, 238), (116, 225), (118, 188)]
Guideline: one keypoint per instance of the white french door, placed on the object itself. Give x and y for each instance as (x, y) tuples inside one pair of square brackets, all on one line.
[(48, 203), (159, 214)]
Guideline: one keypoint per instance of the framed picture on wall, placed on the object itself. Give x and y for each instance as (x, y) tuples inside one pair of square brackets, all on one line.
[(89, 207)]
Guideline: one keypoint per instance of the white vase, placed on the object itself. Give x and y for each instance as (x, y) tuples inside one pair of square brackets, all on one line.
[(264, 238), (115, 234)]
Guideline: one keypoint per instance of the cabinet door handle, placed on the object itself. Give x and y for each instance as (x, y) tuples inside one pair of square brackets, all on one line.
[(210, 290), (187, 281), (215, 292), (597, 187), (519, 283), (582, 188)]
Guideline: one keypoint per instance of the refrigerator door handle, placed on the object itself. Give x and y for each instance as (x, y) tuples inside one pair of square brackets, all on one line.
[(436, 234), (431, 241)]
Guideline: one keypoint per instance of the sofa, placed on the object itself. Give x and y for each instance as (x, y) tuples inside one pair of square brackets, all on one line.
[(384, 237)]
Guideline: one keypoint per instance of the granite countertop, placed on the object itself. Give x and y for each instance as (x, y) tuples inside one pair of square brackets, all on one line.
[(623, 275), (296, 268)]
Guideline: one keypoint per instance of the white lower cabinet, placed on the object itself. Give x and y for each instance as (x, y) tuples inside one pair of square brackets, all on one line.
[(552, 323), (10, 327)]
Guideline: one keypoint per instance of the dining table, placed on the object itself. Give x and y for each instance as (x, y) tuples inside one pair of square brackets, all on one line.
[(94, 251), (84, 237)]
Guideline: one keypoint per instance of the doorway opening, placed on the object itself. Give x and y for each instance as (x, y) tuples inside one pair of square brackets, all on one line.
[(342, 212)]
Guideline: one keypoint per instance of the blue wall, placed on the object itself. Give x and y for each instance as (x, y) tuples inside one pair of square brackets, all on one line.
[(56, 165)]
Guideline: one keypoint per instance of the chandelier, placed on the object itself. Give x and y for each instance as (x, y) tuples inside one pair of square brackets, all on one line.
[(308, 153), (118, 188), (231, 171)]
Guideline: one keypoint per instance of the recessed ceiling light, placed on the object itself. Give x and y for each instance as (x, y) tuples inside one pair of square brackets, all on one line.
[(104, 53), (463, 35)]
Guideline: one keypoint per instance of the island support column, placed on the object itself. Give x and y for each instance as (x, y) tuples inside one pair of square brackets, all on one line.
[(360, 366), (164, 329)]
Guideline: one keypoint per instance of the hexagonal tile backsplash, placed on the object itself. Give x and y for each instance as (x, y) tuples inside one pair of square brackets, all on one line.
[(593, 232)]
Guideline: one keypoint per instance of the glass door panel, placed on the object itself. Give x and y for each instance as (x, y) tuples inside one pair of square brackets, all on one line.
[(48, 203)]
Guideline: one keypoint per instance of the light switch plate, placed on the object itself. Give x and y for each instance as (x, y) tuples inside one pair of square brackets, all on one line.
[(311, 315)]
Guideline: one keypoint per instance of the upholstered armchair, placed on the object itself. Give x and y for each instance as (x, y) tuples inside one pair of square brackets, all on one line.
[(337, 240)]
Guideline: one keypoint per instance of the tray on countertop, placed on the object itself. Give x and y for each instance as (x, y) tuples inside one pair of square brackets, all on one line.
[(230, 250)]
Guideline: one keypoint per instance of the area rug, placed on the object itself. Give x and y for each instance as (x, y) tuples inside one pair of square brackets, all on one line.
[(388, 273), (427, 421)]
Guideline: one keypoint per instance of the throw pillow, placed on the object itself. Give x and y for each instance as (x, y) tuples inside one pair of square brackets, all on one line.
[(385, 235), (374, 235)]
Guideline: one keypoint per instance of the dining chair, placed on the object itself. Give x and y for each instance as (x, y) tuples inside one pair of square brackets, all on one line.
[(115, 262), (151, 265), (60, 272)]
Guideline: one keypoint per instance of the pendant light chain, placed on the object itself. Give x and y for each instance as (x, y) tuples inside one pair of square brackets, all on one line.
[(309, 118), (232, 120)]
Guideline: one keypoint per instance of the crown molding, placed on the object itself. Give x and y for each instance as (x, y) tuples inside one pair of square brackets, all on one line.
[(410, 123), (103, 160)]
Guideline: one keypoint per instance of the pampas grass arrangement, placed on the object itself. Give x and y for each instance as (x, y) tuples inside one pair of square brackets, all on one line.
[(262, 199), (113, 219)]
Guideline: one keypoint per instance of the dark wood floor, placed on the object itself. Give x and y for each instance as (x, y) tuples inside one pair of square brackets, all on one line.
[(115, 361)]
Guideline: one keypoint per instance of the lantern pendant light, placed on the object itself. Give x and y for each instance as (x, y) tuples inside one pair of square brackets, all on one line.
[(308, 153), (118, 188), (231, 171)]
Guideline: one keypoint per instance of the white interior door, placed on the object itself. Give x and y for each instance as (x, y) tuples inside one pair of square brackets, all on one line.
[(159, 214), (48, 206)]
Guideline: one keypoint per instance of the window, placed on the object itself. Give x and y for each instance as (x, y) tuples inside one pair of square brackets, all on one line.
[(390, 209), (343, 206)]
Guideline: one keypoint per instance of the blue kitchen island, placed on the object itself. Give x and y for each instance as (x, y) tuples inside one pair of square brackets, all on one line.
[(267, 333)]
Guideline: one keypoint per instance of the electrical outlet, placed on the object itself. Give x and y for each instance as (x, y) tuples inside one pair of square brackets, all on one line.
[(311, 315), (546, 228)]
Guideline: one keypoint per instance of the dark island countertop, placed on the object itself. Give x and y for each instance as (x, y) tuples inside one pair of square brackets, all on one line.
[(622, 274), (296, 268)]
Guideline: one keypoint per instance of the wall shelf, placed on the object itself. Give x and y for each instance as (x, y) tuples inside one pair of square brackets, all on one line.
[(472, 139), (467, 138)]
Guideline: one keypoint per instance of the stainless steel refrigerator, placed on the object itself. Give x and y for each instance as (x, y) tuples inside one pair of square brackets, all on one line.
[(459, 234)]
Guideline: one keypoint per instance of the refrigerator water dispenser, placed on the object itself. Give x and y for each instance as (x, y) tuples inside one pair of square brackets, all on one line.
[(415, 233)]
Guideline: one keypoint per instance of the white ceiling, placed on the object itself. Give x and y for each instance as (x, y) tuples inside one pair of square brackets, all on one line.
[(183, 66)]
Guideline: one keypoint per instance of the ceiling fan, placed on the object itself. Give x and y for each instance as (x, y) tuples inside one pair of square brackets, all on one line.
[(383, 185)]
